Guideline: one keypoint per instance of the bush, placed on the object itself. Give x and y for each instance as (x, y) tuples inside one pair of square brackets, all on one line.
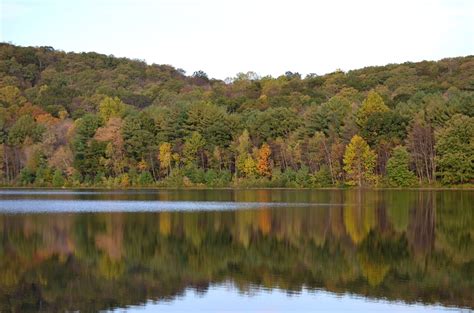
[(303, 178), (196, 175), (27, 176), (43, 176), (145, 179), (321, 178), (175, 179)]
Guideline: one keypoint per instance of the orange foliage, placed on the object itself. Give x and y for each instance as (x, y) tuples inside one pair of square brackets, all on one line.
[(263, 165), (111, 242), (265, 221), (111, 132), (142, 165), (47, 119), (30, 109)]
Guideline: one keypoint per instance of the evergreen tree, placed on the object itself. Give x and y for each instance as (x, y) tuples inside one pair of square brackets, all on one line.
[(58, 179), (398, 173)]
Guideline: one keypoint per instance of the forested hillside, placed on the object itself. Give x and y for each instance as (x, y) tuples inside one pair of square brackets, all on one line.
[(86, 119)]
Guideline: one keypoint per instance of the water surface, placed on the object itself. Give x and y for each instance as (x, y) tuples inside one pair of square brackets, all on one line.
[(236, 250)]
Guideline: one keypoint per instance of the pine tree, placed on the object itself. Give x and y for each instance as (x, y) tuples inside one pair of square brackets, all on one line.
[(58, 179), (398, 173)]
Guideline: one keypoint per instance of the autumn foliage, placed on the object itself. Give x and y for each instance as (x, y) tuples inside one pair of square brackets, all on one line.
[(263, 165), (97, 120)]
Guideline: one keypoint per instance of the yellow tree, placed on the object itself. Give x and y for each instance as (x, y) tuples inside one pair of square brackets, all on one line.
[(111, 107), (263, 164), (11, 95), (2, 161), (165, 156), (374, 103), (193, 149), (359, 161), (165, 223), (249, 167), (242, 147)]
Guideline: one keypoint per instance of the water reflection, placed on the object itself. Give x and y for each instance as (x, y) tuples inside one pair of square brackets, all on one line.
[(404, 246)]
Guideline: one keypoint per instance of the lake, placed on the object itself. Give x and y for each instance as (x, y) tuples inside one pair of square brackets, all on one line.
[(236, 250)]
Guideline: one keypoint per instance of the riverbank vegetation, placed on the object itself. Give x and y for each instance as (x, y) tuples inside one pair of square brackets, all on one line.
[(86, 119)]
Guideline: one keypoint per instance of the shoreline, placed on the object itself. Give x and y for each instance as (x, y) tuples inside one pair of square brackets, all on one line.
[(243, 188)]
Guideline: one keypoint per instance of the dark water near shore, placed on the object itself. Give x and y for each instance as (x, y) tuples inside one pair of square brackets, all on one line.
[(236, 250)]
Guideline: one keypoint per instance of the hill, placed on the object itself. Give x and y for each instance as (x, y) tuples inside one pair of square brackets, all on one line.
[(83, 119)]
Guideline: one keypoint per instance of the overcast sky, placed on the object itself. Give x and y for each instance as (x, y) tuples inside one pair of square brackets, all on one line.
[(268, 37)]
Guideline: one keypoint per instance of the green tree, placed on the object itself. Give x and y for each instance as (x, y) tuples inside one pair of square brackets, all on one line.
[(359, 161), (83, 149), (398, 172), (388, 126), (27, 176), (138, 133), (145, 179), (43, 176), (273, 123), (25, 127), (192, 149), (328, 117), (455, 150), (211, 122), (58, 178)]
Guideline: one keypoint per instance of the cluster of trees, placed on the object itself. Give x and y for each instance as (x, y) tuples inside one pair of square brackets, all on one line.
[(69, 119), (401, 246)]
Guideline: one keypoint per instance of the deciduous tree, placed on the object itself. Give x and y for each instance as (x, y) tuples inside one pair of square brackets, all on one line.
[(111, 107), (263, 165), (372, 104), (455, 150), (359, 161), (165, 155)]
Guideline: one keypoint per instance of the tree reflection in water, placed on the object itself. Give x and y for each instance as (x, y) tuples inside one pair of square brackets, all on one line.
[(410, 246)]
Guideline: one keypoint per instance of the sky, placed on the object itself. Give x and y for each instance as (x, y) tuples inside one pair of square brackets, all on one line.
[(225, 37)]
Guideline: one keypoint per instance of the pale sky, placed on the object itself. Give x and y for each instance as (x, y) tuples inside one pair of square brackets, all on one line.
[(270, 37)]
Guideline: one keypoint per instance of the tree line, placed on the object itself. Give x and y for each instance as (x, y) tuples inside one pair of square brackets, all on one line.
[(86, 119)]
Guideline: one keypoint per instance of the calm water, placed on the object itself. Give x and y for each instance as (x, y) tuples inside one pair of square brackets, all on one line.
[(236, 250)]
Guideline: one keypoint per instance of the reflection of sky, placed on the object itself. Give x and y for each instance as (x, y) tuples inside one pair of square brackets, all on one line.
[(52, 206), (225, 298)]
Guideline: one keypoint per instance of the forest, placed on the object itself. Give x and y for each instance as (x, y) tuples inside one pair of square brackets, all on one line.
[(92, 120)]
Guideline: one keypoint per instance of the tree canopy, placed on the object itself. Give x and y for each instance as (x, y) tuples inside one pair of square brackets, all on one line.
[(107, 121)]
